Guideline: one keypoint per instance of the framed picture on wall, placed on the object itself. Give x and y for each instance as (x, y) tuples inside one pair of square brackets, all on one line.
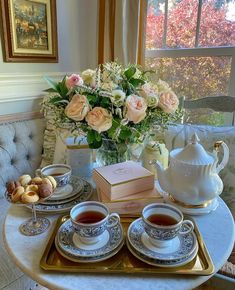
[(29, 30)]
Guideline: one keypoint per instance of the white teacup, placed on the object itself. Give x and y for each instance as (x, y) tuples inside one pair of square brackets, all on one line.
[(163, 222), (60, 172), (90, 219)]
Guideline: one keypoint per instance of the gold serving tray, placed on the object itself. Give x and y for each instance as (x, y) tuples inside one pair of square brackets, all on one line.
[(123, 261)]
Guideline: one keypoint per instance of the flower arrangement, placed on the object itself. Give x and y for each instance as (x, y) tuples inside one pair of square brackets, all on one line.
[(112, 102)]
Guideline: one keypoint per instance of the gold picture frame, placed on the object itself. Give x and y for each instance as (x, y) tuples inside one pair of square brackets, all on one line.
[(29, 30)]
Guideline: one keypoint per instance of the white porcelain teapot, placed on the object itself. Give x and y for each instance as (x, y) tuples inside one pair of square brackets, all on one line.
[(192, 176)]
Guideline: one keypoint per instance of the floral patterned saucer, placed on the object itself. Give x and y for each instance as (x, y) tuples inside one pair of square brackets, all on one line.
[(84, 195), (69, 242), (163, 263), (67, 193), (181, 247), (88, 259), (74, 186)]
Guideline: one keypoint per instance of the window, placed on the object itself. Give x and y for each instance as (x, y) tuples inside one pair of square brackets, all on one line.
[(191, 44)]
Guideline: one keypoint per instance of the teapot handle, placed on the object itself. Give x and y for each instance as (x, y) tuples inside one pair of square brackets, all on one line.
[(225, 159)]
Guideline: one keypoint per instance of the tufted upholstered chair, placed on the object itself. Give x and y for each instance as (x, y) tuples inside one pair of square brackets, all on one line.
[(208, 134), (21, 141)]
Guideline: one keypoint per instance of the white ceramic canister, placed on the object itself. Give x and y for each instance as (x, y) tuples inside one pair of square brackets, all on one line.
[(157, 151)]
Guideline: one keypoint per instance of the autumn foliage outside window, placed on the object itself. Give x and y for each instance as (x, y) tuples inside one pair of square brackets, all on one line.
[(193, 76)]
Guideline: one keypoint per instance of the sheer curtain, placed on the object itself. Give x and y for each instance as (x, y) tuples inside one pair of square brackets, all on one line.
[(121, 31)]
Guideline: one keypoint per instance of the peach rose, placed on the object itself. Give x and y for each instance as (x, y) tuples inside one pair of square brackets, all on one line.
[(168, 102), (99, 119), (78, 108), (73, 80), (135, 108)]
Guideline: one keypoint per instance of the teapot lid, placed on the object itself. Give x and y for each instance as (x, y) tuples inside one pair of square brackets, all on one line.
[(193, 153)]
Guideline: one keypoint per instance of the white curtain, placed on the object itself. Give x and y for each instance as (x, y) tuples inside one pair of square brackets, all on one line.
[(122, 30)]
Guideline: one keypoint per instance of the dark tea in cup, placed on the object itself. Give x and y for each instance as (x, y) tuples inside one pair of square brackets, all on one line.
[(57, 174), (90, 217), (60, 172), (162, 220)]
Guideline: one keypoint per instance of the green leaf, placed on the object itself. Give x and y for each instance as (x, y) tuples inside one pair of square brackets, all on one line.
[(90, 136), (136, 82), (51, 83), (112, 130), (94, 139), (50, 90), (130, 72), (149, 71), (63, 89), (122, 148), (125, 133), (62, 101), (63, 80), (92, 99), (95, 144), (105, 102), (55, 100)]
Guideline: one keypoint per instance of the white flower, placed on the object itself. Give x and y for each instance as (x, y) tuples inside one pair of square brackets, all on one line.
[(118, 97), (152, 101), (162, 86), (118, 112), (106, 76), (88, 77), (124, 122), (149, 92), (108, 86)]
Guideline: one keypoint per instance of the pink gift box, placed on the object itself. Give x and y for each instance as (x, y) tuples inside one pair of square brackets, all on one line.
[(123, 179), (132, 204)]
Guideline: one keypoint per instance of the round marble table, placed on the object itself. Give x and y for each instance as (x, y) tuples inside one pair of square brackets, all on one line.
[(217, 229)]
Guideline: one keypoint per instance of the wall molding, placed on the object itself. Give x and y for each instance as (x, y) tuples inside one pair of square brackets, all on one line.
[(20, 117), (25, 87)]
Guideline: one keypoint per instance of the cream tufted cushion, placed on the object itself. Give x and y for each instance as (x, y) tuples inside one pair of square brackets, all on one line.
[(20, 152), (20, 149)]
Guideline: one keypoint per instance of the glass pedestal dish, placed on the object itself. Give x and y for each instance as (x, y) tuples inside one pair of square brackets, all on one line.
[(35, 225)]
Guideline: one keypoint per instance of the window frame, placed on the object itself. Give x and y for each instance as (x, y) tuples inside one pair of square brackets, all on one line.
[(197, 51), (187, 52)]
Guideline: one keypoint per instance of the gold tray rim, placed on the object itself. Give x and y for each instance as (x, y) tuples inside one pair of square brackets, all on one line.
[(150, 271)]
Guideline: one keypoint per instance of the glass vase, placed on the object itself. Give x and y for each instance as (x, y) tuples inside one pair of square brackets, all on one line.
[(111, 152)]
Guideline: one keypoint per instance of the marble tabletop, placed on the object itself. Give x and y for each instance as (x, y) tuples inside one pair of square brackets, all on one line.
[(217, 229)]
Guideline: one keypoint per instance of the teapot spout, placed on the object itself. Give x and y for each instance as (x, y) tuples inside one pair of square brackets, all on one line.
[(158, 166), (163, 176)]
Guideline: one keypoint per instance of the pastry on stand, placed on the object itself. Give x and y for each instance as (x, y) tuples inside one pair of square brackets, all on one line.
[(28, 190)]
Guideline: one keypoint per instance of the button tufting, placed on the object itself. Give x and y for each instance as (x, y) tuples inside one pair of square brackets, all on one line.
[(12, 161), (27, 156), (14, 139), (30, 136)]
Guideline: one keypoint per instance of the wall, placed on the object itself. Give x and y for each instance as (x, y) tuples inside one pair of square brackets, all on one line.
[(21, 84)]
